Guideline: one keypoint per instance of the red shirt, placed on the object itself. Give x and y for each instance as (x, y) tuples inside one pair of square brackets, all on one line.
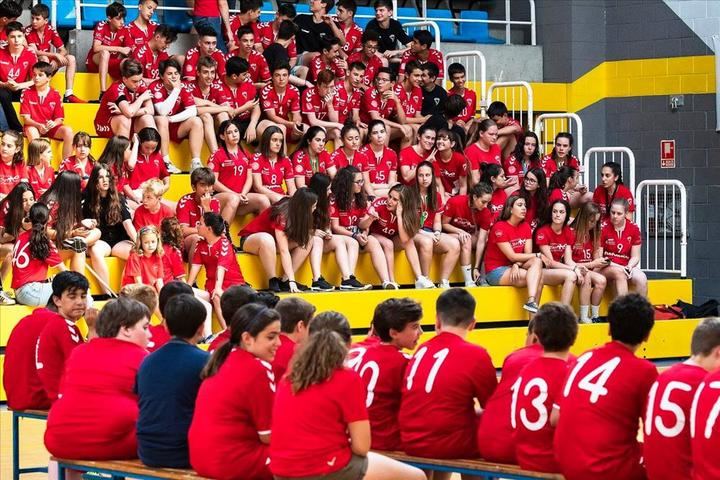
[(221, 339), (22, 384), (160, 93), (236, 22), (534, 393), (215, 93), (458, 210), (382, 368), (434, 56), (470, 98), (386, 222), (603, 399), (372, 102), (191, 60), (44, 39), (317, 444), (557, 194), (268, 36), (57, 340), (25, 267), (339, 159), (160, 336), (189, 211), (147, 168), (259, 71), (237, 96), (318, 64), (150, 269), (704, 429), (303, 166), (219, 254), (19, 69), (143, 216), (427, 215), (233, 407), (72, 164), (313, 103), (437, 413), (409, 158), (150, 60), (117, 93), (284, 104), (603, 200), (353, 38), (515, 168), (347, 218), (103, 33), (450, 172), (173, 265), (40, 181), (206, 8), (134, 36), (497, 203), (557, 242), (263, 223), (49, 108), (281, 362), (505, 232), (380, 165), (230, 168), (371, 66), (667, 420), (100, 376), (273, 173), (478, 156), (583, 251), (411, 101), (345, 102), (495, 431), (547, 163), (617, 244)]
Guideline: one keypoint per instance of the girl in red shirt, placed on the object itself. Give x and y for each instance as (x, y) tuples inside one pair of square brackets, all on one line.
[(535, 193), (451, 166), (285, 228), (40, 172), (335, 440), (382, 162), (233, 180), (270, 168), (82, 162), (565, 185), (521, 160), (349, 205), (621, 242), (12, 162), (145, 264), (231, 427), (509, 257), (349, 154), (587, 256), (152, 211), (493, 175), (430, 238), (311, 157), (13, 215), (144, 163), (612, 188), (560, 156), (485, 150)]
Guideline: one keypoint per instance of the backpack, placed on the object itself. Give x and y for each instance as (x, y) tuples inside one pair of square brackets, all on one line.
[(707, 309)]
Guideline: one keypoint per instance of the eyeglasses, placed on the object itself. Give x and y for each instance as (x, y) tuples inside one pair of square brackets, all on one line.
[(530, 180), (381, 79)]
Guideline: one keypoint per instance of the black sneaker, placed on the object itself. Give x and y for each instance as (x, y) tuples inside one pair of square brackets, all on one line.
[(274, 285), (76, 244), (320, 285), (302, 287), (352, 283)]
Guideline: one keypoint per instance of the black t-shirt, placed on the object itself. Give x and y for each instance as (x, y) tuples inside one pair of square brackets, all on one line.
[(310, 33), (276, 54), (389, 36), (433, 101), (110, 234)]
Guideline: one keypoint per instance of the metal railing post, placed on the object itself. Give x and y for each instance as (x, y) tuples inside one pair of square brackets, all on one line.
[(570, 117), (592, 174), (510, 103), (477, 57)]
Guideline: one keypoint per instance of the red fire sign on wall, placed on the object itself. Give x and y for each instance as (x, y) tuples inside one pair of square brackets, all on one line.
[(667, 153)]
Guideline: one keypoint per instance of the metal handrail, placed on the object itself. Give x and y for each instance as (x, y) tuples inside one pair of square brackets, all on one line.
[(483, 69), (539, 128), (427, 23), (605, 151), (511, 107)]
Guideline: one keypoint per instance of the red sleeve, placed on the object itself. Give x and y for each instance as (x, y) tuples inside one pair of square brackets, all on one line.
[(132, 266), (187, 101), (485, 379), (295, 103), (542, 238), (393, 158), (177, 265), (226, 255), (182, 211), (197, 258), (55, 38), (484, 219), (287, 169), (54, 258), (264, 69), (262, 400), (24, 104), (59, 110), (636, 236), (501, 233)]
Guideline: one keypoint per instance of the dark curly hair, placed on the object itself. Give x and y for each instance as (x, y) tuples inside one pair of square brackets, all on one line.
[(342, 190)]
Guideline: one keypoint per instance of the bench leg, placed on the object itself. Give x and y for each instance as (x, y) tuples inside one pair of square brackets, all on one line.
[(15, 447)]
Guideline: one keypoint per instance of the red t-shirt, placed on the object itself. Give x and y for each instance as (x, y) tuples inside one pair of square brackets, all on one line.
[(143, 216), (236, 22), (470, 98), (160, 336), (478, 156), (382, 368), (100, 376), (237, 96), (379, 165), (22, 384), (18, 69), (345, 102), (409, 158), (339, 159), (437, 413), (318, 64), (534, 393), (497, 203), (259, 71), (704, 429), (233, 407), (72, 164), (135, 36), (617, 244), (557, 242), (515, 168), (371, 66), (215, 93), (313, 103), (353, 38), (505, 232), (582, 252), (160, 93), (434, 56), (150, 269), (230, 168), (451, 172), (411, 101), (549, 165), (173, 265), (115, 94), (103, 33), (272, 174), (495, 431), (40, 181), (219, 254), (150, 60), (263, 223), (206, 8), (44, 38), (221, 339), (666, 442), (458, 210), (281, 362), (303, 166), (57, 340), (347, 218), (189, 210), (25, 267), (603, 200), (427, 215), (386, 222), (317, 444), (372, 101), (10, 175), (50, 107), (557, 194), (191, 61), (146, 168), (603, 399), (284, 104)]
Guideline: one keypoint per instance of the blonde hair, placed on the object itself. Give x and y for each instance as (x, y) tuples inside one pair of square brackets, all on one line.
[(148, 229), (36, 148), (153, 186), (144, 294)]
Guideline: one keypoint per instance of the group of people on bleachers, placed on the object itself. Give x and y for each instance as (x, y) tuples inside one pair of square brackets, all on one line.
[(412, 169), (233, 413)]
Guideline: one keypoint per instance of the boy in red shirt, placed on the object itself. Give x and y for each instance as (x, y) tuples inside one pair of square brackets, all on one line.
[(703, 418), (153, 52), (191, 207), (281, 105), (345, 20), (348, 95), (9, 12), (246, 17), (509, 130), (445, 377), (240, 94), (669, 409), (140, 31), (421, 53), (209, 99), (16, 61), (604, 398), (42, 110), (328, 59), (295, 316), (411, 95), (108, 47), (367, 55), (49, 47), (206, 47), (380, 102), (466, 119), (318, 105), (259, 71)]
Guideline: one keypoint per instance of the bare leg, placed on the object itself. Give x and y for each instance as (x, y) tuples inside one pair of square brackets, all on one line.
[(388, 250), (263, 245)]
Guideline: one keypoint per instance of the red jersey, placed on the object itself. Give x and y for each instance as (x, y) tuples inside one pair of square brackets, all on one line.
[(221, 339), (22, 384), (160, 93), (273, 173), (704, 430), (230, 168), (557, 242), (100, 376), (25, 267), (317, 444), (191, 60), (146, 168), (318, 64), (603, 200), (345, 102), (215, 93), (150, 269), (437, 413), (312, 102), (411, 101), (263, 223), (505, 232), (371, 66), (382, 368), (470, 98), (41, 180), (284, 104), (372, 101), (461, 216), (281, 362), (57, 340), (380, 165), (43, 39), (515, 168), (497, 203), (347, 218), (495, 430), (233, 408), (359, 160), (547, 163), (134, 36), (386, 222), (237, 96), (42, 108), (150, 60), (236, 22), (478, 156), (173, 265), (604, 398), (18, 69), (189, 210), (305, 167), (583, 252), (434, 56), (427, 214), (104, 34), (667, 421), (558, 194), (259, 71), (72, 164), (116, 94), (160, 336), (617, 244), (409, 157), (534, 393), (143, 216), (268, 36), (450, 172), (353, 38), (220, 254)]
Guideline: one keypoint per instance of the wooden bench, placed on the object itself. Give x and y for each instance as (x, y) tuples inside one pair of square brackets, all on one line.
[(16, 416), (118, 469), (470, 467)]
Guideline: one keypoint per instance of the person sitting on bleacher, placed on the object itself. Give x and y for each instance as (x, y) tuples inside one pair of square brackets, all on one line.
[(295, 316), (152, 53), (380, 161), (42, 37), (450, 165), (318, 106), (108, 50), (100, 376), (144, 163), (281, 51), (485, 150), (16, 62), (389, 30), (421, 52), (140, 31), (611, 187), (281, 106), (311, 157), (561, 155), (206, 47), (313, 28), (458, 76), (258, 67), (345, 18), (190, 207), (380, 102), (367, 56), (434, 95), (411, 94), (247, 16), (209, 99), (270, 34), (348, 96), (410, 157), (328, 59), (10, 10), (521, 161), (510, 132), (238, 93)]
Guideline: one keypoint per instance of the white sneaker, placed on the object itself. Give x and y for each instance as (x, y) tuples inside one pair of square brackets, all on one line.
[(585, 320), (444, 284), (470, 284), (424, 282), (195, 164), (6, 299), (390, 286), (171, 168)]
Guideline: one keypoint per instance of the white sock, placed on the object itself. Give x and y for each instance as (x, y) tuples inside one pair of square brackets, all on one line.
[(467, 273), (68, 92), (595, 311), (166, 158), (584, 312), (198, 160)]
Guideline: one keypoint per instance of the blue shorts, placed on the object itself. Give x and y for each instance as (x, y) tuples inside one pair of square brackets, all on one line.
[(493, 278)]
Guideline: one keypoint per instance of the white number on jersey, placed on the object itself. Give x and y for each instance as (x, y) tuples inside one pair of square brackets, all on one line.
[(374, 370), (712, 416), (20, 257), (666, 405), (439, 357), (538, 403), (594, 382)]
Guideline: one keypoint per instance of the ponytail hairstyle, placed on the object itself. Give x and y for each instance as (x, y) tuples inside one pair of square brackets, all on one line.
[(36, 148), (13, 204), (484, 126), (309, 135), (65, 189), (548, 220), (585, 226), (342, 190), (252, 319), (39, 241), (431, 196), (490, 170), (616, 171), (223, 128), (519, 152), (319, 184), (410, 202), (560, 178), (298, 215), (570, 138), (18, 158), (477, 191)]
